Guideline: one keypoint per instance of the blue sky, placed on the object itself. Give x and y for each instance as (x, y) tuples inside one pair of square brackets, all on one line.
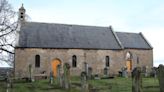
[(146, 16)]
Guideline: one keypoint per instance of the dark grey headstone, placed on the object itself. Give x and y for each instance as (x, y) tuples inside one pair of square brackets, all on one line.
[(136, 80)]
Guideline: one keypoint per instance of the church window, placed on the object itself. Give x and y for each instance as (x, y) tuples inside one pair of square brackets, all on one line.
[(74, 61), (37, 61), (107, 59), (128, 56)]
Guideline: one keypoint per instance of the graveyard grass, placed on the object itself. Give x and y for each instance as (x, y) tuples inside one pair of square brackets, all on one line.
[(103, 85)]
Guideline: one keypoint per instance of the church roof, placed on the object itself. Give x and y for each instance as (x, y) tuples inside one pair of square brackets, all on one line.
[(52, 35), (133, 40)]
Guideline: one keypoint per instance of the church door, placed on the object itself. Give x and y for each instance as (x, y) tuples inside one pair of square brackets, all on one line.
[(129, 65), (54, 65)]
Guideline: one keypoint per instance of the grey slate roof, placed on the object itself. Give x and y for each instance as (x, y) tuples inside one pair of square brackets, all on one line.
[(48, 35), (133, 40), (51, 35)]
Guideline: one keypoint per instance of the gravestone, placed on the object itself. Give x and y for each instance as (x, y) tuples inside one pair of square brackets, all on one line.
[(145, 71), (86, 67), (84, 82), (154, 72), (31, 79), (160, 74), (66, 76), (90, 73), (8, 82), (124, 72), (136, 80), (51, 78), (106, 71), (59, 76)]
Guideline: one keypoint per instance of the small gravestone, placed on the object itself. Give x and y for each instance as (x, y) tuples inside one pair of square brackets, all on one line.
[(90, 73), (124, 72), (160, 74), (145, 71), (96, 77), (154, 72), (106, 71), (136, 80), (84, 82), (66, 76), (51, 78)]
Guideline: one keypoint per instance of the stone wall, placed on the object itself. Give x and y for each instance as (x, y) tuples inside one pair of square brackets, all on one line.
[(94, 58)]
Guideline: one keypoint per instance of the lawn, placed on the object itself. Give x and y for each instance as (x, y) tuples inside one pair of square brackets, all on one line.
[(103, 85)]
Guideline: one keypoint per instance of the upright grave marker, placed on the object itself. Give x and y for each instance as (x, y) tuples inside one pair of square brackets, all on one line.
[(136, 80), (160, 74), (84, 82), (66, 76)]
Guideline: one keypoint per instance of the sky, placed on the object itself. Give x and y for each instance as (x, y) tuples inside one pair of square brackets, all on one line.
[(146, 16)]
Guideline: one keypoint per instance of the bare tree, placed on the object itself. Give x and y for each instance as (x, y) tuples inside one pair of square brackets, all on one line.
[(8, 27)]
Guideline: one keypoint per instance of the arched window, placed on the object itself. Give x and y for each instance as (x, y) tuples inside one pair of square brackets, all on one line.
[(74, 61), (37, 61), (107, 59), (128, 56)]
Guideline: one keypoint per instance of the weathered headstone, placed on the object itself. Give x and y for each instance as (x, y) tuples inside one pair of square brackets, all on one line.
[(106, 71), (9, 81), (59, 76), (90, 73), (30, 73), (124, 72), (66, 76), (136, 80), (160, 74), (86, 67), (51, 78), (84, 82), (145, 71)]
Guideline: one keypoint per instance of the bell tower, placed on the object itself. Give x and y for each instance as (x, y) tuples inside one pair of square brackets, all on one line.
[(21, 17)]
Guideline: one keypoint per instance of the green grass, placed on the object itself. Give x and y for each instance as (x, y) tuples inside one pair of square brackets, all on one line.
[(104, 85)]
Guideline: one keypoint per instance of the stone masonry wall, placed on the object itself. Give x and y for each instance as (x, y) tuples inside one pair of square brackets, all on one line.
[(94, 58)]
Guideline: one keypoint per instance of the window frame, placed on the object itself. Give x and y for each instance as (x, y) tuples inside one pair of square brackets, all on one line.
[(37, 61), (107, 61), (74, 61)]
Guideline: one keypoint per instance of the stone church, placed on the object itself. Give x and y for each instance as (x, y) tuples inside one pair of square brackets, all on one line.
[(46, 45)]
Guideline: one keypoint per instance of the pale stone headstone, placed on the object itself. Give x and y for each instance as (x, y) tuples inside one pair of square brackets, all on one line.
[(66, 76), (86, 67), (84, 82), (31, 73), (160, 74), (136, 80), (124, 72)]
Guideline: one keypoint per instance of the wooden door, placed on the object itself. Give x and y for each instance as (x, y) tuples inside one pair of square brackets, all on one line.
[(129, 65), (54, 65)]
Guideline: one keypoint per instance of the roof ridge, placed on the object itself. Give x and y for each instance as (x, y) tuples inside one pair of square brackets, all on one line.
[(116, 37), (128, 32), (68, 24)]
